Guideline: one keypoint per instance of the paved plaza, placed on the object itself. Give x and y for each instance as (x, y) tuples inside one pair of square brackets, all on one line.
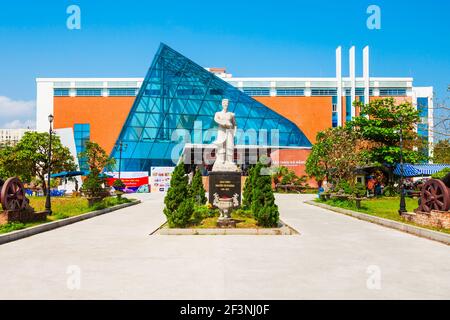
[(335, 257)]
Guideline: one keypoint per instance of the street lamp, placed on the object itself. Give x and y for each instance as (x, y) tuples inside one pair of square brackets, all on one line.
[(402, 194), (121, 146), (48, 204)]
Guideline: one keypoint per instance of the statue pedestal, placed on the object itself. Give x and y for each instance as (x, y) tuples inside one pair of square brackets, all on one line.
[(224, 184)]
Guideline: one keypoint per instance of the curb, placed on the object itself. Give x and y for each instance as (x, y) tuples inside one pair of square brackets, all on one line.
[(417, 231), (25, 233), (284, 230)]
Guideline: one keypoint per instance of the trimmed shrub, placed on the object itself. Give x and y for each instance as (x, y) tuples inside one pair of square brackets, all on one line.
[(179, 205), (197, 190), (247, 193), (263, 201), (345, 186), (359, 190), (119, 185)]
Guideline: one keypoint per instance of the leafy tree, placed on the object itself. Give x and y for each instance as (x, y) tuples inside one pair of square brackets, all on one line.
[(197, 190), (379, 125), (335, 155), (98, 160), (442, 152), (29, 158), (248, 192), (179, 205), (263, 201)]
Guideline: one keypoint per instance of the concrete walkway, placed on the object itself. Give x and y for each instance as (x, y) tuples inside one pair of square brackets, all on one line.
[(335, 257)]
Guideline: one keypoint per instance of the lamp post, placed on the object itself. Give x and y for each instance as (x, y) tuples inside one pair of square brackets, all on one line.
[(120, 146), (402, 192), (48, 203)]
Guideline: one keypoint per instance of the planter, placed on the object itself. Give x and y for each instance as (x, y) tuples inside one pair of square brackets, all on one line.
[(358, 202), (119, 194), (94, 200)]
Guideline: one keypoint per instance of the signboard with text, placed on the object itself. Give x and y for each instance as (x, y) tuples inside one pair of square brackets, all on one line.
[(160, 178)]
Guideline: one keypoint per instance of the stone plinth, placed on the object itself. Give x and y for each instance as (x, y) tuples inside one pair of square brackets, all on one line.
[(23, 216), (436, 219), (225, 185)]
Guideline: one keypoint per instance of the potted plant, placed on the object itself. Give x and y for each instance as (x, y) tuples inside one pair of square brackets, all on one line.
[(119, 186), (93, 188), (359, 191)]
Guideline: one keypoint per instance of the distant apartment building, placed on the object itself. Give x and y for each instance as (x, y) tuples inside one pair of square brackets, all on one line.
[(11, 136)]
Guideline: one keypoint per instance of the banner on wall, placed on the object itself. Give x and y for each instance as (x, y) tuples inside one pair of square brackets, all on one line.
[(133, 180), (160, 178)]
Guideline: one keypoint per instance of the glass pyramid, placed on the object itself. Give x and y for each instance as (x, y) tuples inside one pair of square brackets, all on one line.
[(179, 94)]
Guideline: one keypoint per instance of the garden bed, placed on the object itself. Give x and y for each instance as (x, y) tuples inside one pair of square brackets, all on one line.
[(63, 208), (245, 225), (386, 208)]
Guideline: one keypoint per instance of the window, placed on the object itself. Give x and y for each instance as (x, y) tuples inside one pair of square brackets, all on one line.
[(293, 92), (394, 92), (82, 134), (323, 92), (61, 92), (334, 107), (254, 92), (89, 92), (122, 92)]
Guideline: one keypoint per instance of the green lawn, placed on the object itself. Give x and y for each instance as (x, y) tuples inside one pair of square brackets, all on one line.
[(386, 208), (243, 222), (62, 208)]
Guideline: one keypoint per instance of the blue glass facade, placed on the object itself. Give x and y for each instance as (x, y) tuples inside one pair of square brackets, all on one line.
[(82, 134), (334, 119), (179, 94), (423, 128)]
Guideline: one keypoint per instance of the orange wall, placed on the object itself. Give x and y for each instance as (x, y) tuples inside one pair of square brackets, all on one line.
[(310, 114), (105, 115)]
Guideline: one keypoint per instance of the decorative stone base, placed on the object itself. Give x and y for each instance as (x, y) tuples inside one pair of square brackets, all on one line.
[(226, 223), (23, 216), (225, 185), (436, 219)]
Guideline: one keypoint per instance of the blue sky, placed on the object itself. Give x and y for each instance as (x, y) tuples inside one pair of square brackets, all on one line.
[(250, 38)]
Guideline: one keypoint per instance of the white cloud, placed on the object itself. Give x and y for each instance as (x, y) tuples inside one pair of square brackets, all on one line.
[(17, 113), (17, 124)]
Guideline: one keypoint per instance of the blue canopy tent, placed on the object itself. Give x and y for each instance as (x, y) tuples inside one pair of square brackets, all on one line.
[(66, 174), (419, 170)]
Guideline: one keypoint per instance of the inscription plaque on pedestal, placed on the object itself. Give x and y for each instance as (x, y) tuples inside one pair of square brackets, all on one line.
[(225, 185)]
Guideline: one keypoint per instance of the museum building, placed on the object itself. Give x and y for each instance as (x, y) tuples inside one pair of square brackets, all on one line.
[(148, 116)]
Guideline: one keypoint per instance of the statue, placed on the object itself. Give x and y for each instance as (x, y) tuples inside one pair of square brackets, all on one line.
[(225, 139)]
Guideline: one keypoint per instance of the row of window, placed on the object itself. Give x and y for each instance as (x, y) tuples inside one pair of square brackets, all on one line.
[(254, 92), (89, 92)]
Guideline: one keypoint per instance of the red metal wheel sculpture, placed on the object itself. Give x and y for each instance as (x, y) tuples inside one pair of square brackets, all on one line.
[(434, 196), (12, 195)]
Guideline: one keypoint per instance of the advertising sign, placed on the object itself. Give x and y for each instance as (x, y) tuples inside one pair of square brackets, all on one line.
[(160, 178), (133, 180)]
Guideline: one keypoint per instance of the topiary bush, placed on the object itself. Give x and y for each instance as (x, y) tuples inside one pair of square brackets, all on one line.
[(359, 190), (248, 192), (179, 206), (119, 185), (263, 201), (197, 190), (345, 186)]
